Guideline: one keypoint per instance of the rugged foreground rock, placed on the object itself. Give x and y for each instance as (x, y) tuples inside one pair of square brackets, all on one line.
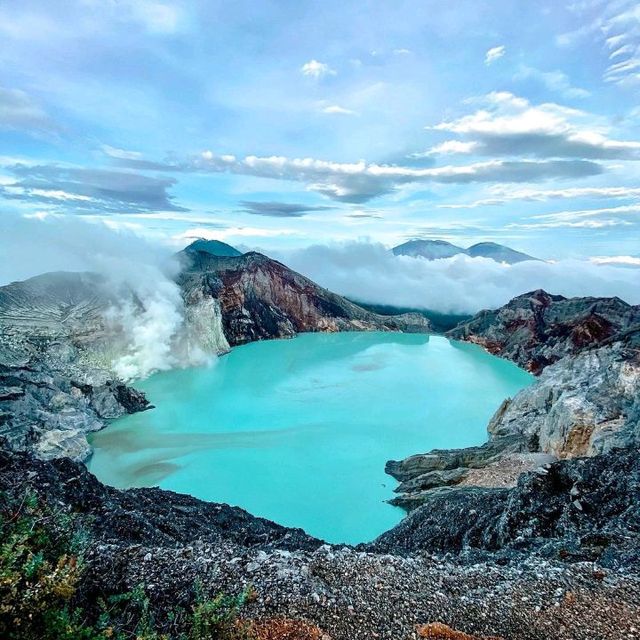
[(579, 509), (529, 577)]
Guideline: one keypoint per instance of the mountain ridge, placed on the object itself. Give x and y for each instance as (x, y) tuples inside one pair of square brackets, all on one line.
[(438, 249)]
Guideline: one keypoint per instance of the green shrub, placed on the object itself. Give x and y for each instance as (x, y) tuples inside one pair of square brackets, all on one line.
[(39, 572), (218, 617), (41, 567)]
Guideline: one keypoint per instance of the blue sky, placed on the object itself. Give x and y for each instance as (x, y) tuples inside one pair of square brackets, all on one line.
[(282, 124)]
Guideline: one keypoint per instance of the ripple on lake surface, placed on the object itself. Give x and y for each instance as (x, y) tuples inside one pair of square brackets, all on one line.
[(298, 431)]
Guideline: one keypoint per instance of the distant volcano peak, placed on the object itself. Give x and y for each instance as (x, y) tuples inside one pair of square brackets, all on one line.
[(437, 249), (214, 248)]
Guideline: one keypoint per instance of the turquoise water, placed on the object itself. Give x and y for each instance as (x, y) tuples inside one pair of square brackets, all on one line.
[(299, 430)]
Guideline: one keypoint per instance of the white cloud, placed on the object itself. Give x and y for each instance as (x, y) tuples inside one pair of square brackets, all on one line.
[(622, 30), (616, 26), (151, 325), (493, 54), (502, 195), (628, 261), (315, 69), (102, 190), (338, 110), (569, 216), (120, 154), (57, 194), (360, 181), (567, 224), (370, 273), (40, 215), (448, 147), (511, 125)]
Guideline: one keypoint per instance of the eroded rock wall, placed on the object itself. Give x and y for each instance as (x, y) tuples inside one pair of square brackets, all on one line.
[(586, 400), (261, 298)]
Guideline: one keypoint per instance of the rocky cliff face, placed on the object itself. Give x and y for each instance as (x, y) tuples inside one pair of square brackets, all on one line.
[(56, 348), (581, 406), (586, 400), (537, 329), (261, 298), (585, 351)]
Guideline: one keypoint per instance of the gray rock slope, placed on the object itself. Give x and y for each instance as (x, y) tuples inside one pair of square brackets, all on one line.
[(56, 346)]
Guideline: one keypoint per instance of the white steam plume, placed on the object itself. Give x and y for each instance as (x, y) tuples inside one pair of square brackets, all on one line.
[(369, 272), (150, 328), (148, 308)]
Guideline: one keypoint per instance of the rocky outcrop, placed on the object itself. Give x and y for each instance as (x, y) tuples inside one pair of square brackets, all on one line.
[(45, 411), (585, 352), (586, 400), (261, 298), (447, 459), (580, 509), (537, 329), (580, 406), (56, 349)]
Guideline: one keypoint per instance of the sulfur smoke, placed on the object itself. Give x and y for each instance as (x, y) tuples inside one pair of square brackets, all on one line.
[(147, 307)]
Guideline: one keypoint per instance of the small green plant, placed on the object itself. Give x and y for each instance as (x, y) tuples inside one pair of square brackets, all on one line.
[(41, 569), (218, 617), (129, 613), (39, 572)]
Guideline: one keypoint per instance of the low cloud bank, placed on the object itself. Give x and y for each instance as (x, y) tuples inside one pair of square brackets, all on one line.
[(148, 307), (370, 273)]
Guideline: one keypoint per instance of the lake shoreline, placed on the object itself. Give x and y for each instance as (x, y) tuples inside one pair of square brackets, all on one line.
[(310, 397)]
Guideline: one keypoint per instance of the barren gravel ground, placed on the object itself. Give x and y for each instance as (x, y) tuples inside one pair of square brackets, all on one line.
[(359, 596), (505, 471)]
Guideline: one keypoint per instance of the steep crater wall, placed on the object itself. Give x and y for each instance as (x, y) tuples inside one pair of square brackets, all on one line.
[(586, 401)]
